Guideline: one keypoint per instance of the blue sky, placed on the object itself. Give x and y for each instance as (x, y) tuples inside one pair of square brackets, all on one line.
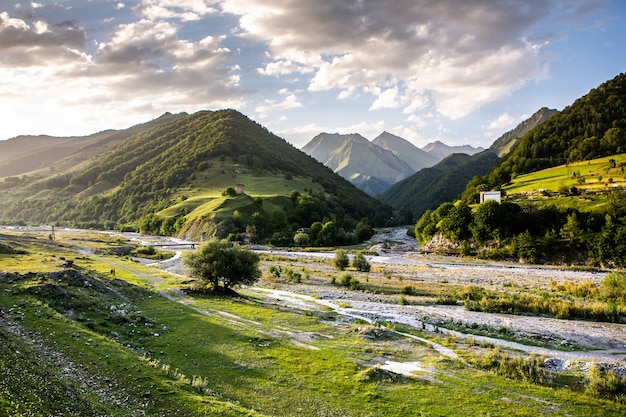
[(455, 71)]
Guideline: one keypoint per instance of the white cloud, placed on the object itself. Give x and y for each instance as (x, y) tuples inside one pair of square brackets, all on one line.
[(143, 69), (272, 106), (185, 10), (388, 99), (504, 121), (460, 54)]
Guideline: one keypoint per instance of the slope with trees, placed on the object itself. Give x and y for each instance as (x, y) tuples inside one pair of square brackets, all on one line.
[(428, 188), (170, 179), (593, 126)]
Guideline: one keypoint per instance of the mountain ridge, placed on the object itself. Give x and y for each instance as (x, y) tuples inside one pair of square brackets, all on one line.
[(173, 178)]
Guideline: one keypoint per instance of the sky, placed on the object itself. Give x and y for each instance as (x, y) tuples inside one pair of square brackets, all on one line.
[(457, 71)]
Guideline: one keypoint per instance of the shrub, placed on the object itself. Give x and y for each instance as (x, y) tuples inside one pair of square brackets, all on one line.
[(514, 367), (346, 280), (341, 260), (293, 276), (606, 383), (613, 287), (360, 263)]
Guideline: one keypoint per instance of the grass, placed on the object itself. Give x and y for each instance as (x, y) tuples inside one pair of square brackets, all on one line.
[(229, 356), (592, 178)]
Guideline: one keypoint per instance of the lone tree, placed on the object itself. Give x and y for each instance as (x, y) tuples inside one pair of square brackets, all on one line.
[(341, 259), (218, 265)]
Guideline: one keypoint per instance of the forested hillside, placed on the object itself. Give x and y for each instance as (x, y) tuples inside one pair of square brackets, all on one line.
[(593, 126), (428, 188), (177, 177), (48, 154), (571, 225)]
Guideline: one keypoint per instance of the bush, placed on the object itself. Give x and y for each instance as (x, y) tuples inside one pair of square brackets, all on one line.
[(613, 287), (347, 280), (606, 383), (360, 263), (341, 260), (514, 367)]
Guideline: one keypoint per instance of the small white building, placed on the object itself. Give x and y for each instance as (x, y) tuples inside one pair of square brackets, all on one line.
[(490, 196)]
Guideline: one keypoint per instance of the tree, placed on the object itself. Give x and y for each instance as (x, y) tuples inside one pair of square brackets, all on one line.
[(341, 259), (219, 265), (360, 263), (301, 239)]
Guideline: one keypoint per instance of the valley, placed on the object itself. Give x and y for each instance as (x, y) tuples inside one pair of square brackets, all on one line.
[(297, 346)]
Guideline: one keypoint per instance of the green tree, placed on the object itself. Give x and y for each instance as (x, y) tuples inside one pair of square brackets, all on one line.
[(341, 260), (218, 265), (360, 263), (328, 234), (572, 230), (301, 239), (456, 225)]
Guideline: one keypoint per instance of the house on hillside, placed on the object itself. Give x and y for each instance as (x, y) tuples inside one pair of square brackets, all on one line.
[(490, 196), (239, 189)]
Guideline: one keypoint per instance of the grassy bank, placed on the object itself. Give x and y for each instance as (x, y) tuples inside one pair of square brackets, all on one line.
[(141, 342)]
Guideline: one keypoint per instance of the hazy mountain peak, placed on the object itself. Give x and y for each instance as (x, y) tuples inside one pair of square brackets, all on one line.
[(405, 150), (505, 143), (440, 150)]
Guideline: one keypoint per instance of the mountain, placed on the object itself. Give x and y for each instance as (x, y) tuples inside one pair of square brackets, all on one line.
[(593, 126), (195, 176), (440, 150), (24, 154), (354, 157), (505, 143), (430, 187), (415, 157)]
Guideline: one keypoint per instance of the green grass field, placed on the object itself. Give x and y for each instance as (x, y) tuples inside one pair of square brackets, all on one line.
[(176, 354), (593, 175)]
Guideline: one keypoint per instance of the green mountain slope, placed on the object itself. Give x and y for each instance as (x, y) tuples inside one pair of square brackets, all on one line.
[(430, 187), (592, 127), (171, 179), (48, 154)]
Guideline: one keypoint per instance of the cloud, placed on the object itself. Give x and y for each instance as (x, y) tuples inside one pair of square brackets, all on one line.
[(184, 10), (39, 43), (503, 121), (461, 55), (272, 106), (140, 69)]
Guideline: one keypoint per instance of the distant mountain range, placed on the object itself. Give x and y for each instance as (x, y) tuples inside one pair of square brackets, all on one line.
[(440, 150), (430, 187), (377, 165)]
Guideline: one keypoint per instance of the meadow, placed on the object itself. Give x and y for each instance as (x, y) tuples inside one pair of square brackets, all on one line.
[(139, 341)]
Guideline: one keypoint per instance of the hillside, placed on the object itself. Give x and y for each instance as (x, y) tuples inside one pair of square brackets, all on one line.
[(405, 150), (440, 150), (172, 179), (428, 188), (505, 143), (48, 154), (354, 157), (563, 183), (593, 126)]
